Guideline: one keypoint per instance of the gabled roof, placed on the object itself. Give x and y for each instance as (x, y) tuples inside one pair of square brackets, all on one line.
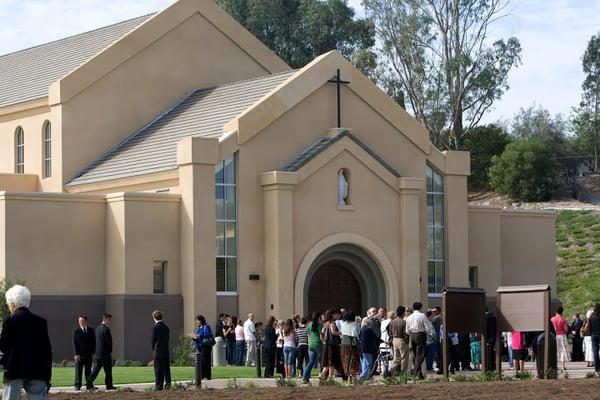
[(312, 77), (27, 74), (323, 143), (202, 113)]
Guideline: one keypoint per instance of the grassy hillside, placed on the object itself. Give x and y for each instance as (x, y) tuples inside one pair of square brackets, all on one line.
[(578, 259)]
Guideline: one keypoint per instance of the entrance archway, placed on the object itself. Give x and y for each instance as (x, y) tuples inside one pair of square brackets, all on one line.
[(329, 287), (343, 276)]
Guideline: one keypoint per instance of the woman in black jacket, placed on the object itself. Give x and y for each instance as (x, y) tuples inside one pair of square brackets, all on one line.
[(269, 346)]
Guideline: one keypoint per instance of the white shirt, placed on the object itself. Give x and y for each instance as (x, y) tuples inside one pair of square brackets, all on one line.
[(350, 329), (417, 322), (249, 330), (289, 341)]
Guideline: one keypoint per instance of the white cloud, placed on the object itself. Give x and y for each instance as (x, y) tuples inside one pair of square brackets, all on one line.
[(553, 35)]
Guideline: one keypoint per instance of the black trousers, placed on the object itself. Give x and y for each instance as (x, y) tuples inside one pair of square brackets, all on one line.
[(301, 356), (269, 354), (162, 373), (103, 363), (85, 362), (490, 356), (577, 354), (203, 366), (418, 343)]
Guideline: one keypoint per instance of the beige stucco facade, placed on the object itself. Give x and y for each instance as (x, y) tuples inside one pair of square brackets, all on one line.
[(102, 239)]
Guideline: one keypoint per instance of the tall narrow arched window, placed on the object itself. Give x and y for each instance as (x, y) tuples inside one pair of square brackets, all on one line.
[(47, 149), (19, 151), (436, 246)]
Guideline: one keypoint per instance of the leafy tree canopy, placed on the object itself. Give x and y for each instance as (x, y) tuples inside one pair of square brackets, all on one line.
[(300, 30), (535, 122), (484, 142), (586, 118)]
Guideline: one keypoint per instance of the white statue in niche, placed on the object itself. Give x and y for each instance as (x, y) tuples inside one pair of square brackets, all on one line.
[(343, 187)]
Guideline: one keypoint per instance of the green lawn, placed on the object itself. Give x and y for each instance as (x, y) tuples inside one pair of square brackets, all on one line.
[(578, 260), (63, 376)]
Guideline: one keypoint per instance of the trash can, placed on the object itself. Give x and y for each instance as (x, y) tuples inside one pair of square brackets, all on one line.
[(219, 351), (539, 357)]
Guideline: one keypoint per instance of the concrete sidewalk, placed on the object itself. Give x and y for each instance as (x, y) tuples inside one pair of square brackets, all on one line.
[(575, 370)]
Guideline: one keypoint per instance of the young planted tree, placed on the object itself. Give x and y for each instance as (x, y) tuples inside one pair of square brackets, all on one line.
[(300, 30), (438, 53)]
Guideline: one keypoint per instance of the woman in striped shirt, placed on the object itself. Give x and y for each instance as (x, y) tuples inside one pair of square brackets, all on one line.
[(302, 350)]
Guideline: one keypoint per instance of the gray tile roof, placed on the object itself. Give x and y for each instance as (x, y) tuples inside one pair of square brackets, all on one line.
[(26, 74), (201, 113), (322, 143)]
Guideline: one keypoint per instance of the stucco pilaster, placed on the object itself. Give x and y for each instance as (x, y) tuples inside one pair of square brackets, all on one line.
[(279, 247), (457, 235), (197, 158), (411, 265)]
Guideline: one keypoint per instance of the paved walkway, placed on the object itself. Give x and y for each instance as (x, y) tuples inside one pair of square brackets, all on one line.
[(574, 371)]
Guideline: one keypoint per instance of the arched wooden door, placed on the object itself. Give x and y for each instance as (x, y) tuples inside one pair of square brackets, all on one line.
[(333, 285)]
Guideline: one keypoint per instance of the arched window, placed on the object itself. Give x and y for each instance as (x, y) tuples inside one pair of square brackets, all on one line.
[(19, 151), (47, 149), (343, 188)]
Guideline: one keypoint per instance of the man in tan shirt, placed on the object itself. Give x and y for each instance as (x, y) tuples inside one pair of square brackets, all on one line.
[(399, 337)]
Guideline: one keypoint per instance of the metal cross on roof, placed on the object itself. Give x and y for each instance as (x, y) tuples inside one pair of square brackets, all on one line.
[(339, 82)]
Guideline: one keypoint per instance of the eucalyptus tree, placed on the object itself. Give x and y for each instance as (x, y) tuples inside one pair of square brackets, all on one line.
[(440, 55)]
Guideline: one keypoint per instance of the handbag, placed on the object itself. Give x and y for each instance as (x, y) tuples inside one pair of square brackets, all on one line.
[(587, 328), (209, 342)]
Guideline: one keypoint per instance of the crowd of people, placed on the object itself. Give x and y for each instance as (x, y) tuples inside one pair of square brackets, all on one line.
[(407, 341), (341, 343)]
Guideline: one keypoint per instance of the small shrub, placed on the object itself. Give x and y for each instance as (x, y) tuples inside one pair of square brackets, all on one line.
[(251, 385), (459, 378), (525, 171), (487, 376), (438, 379), (330, 382), (183, 352), (232, 383), (551, 373), (182, 386), (282, 382), (396, 380), (524, 376)]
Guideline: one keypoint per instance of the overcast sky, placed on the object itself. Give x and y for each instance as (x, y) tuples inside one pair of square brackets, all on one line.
[(553, 34)]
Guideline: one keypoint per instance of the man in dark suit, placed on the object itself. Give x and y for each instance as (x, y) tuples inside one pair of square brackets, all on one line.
[(160, 350), (103, 357), (26, 347), (84, 347)]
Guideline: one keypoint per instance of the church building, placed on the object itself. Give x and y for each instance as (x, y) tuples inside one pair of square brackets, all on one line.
[(173, 162)]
